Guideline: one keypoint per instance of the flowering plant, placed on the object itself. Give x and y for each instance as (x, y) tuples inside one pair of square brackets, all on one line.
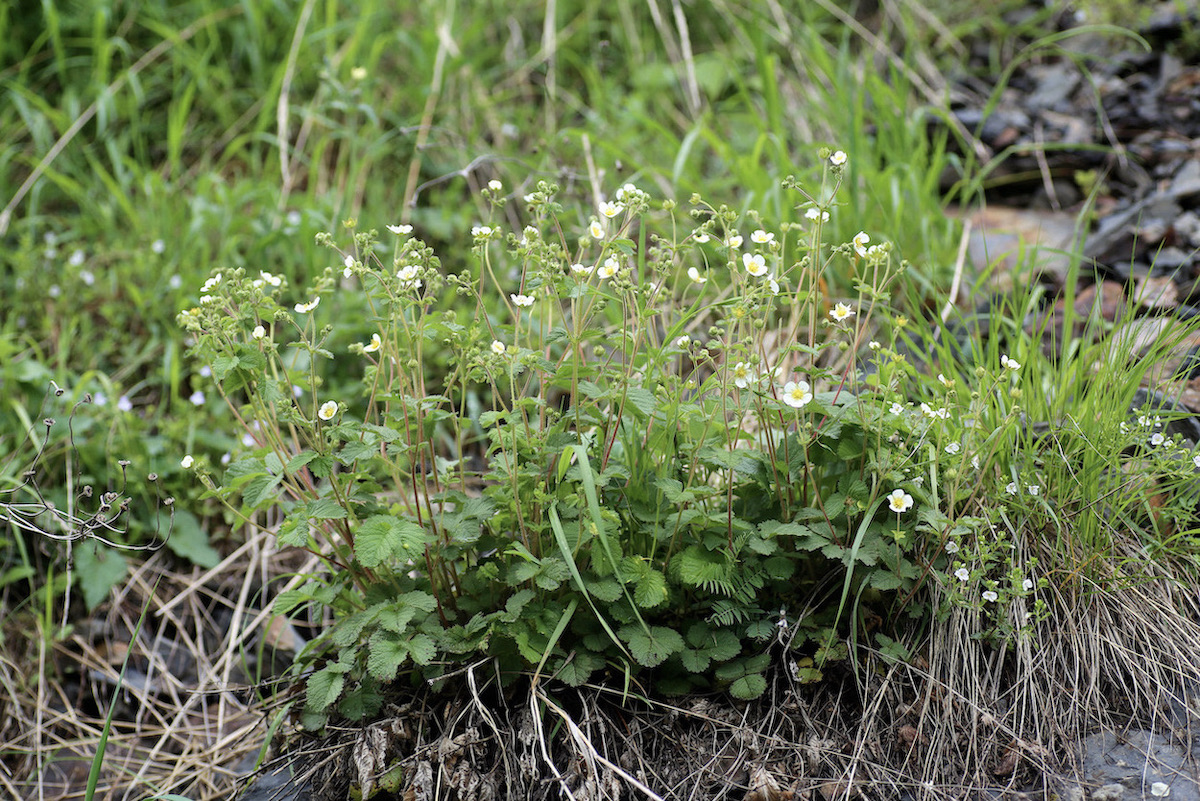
[(642, 448)]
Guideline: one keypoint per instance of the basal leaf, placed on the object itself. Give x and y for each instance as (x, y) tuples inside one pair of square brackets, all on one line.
[(748, 687), (324, 687), (652, 647), (386, 652)]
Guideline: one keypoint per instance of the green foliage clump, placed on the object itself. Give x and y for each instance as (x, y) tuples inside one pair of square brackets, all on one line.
[(646, 449)]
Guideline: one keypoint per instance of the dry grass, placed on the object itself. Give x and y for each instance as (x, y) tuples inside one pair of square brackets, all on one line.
[(186, 716), (963, 716)]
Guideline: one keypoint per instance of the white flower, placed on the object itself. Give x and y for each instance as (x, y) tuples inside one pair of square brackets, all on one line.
[(1034, 489), (838, 158), (1160, 790), (962, 574), (259, 332), (734, 241), (627, 192), (989, 596), (952, 448), (948, 383), (348, 264), (328, 410), (158, 246), (700, 236), (773, 284), (400, 230), (248, 440), (610, 267), (1027, 584), (1009, 364), (408, 277), (581, 269), (841, 312), (304, 308), (815, 214), (761, 237), (896, 408), (522, 300), (1196, 460), (596, 230), (685, 340), (1157, 439), (695, 275), (124, 404), (951, 546), (610, 209), (77, 259), (498, 347), (797, 394), (899, 501), (187, 462), (860, 243), (268, 278), (1011, 488), (376, 344), (211, 282), (975, 462), (87, 276), (358, 73), (495, 185), (196, 398), (743, 375), (226, 458), (755, 264), (478, 231), (874, 345)]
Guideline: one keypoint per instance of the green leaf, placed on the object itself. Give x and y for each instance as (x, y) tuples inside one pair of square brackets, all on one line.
[(604, 589), (383, 537), (748, 687), (98, 569), (694, 661), (385, 655), (326, 509), (651, 647), (189, 541), (642, 400), (260, 489), (422, 649), (293, 533), (300, 460), (577, 668), (324, 687), (651, 589), (885, 580)]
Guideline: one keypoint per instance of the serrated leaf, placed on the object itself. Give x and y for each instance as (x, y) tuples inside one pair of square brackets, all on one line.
[(642, 399), (422, 649), (694, 661), (383, 537), (386, 652), (748, 687), (578, 668), (652, 647), (885, 580), (326, 509), (604, 589), (293, 533), (651, 589), (300, 460), (321, 466), (324, 687), (260, 489)]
